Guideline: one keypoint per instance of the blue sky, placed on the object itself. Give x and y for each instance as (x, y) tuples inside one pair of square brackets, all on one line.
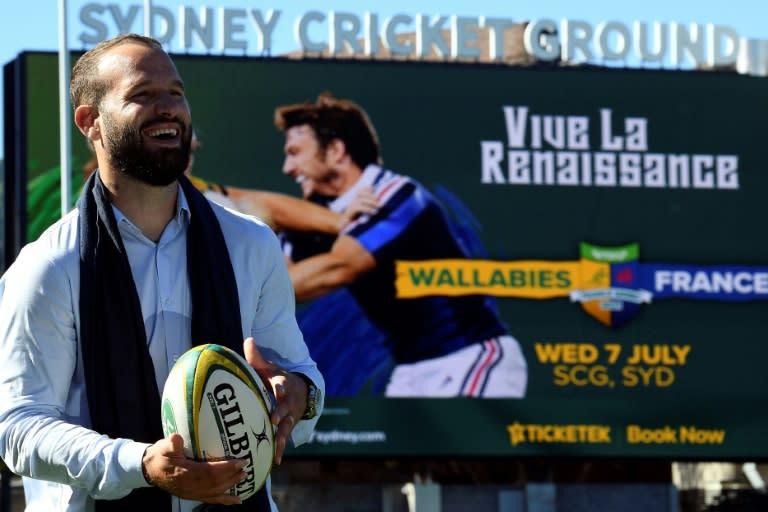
[(33, 24)]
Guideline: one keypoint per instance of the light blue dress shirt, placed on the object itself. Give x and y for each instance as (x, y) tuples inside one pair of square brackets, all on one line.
[(44, 419)]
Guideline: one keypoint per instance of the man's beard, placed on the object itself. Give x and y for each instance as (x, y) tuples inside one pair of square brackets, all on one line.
[(129, 156)]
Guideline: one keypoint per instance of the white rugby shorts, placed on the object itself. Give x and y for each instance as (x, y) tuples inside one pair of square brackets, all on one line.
[(494, 368)]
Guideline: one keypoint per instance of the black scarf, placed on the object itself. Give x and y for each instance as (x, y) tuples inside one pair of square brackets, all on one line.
[(120, 380)]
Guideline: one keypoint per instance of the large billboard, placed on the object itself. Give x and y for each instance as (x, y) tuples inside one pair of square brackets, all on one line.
[(612, 222)]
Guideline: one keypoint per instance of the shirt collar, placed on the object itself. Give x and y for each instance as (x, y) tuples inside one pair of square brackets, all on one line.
[(367, 179), (182, 216)]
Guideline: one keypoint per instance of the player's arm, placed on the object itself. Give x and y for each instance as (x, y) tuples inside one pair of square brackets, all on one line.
[(321, 274), (280, 211), (286, 212), (282, 357)]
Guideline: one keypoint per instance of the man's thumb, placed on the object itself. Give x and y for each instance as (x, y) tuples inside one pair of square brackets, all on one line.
[(177, 443)]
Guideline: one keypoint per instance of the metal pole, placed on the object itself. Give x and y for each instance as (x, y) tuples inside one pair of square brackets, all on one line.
[(65, 113), (5, 492), (5, 488), (148, 18)]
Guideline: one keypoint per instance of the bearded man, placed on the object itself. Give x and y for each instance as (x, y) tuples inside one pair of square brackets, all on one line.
[(95, 312)]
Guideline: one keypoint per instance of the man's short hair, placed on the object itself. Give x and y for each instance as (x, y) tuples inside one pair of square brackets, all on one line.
[(86, 87), (332, 118)]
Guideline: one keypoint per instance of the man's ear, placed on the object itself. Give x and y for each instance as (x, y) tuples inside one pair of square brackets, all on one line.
[(88, 122), (336, 150)]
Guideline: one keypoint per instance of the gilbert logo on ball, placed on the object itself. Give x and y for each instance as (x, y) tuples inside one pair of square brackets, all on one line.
[(221, 408)]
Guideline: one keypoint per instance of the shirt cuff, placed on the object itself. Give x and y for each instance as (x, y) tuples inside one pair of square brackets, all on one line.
[(129, 458), (302, 433)]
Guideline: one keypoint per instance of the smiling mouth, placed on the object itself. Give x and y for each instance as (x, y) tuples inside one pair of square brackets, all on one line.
[(305, 184), (163, 133)]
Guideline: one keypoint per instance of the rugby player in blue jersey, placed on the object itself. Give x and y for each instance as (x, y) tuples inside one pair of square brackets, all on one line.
[(442, 346)]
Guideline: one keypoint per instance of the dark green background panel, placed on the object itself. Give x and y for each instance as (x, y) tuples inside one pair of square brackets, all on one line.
[(431, 119)]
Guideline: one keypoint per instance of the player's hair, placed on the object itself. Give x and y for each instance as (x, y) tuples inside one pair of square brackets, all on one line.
[(333, 118), (86, 87)]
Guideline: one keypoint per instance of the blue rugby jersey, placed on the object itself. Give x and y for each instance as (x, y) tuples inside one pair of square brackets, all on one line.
[(412, 225)]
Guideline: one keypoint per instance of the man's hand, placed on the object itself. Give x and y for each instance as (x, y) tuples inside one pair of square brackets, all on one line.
[(290, 393), (364, 203), (166, 467)]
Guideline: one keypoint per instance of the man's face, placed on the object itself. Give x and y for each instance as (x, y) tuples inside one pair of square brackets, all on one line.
[(306, 163), (144, 117)]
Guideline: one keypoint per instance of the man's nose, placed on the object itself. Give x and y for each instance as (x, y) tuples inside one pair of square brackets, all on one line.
[(288, 167), (168, 105)]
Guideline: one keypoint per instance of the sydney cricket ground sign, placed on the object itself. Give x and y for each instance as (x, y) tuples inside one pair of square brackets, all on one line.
[(255, 31)]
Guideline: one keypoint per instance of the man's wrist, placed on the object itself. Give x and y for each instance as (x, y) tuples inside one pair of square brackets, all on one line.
[(313, 398), (144, 467)]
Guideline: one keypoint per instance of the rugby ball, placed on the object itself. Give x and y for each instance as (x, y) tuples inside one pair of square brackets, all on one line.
[(221, 408)]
